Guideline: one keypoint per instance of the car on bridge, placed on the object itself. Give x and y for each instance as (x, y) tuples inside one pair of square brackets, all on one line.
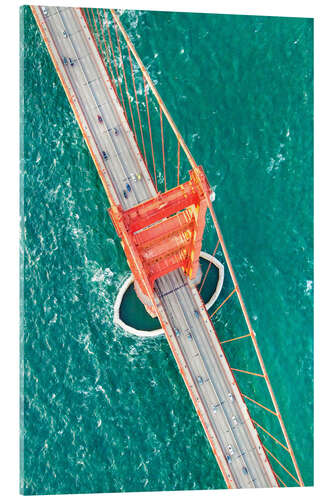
[(229, 448), (215, 407)]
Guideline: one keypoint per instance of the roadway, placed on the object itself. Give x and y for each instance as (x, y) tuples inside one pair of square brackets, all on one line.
[(121, 162), (188, 329), (192, 332)]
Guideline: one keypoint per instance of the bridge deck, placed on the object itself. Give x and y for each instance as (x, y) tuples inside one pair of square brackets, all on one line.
[(210, 381), (196, 349)]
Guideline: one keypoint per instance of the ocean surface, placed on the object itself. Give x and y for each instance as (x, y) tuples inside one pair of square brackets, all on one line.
[(104, 411)]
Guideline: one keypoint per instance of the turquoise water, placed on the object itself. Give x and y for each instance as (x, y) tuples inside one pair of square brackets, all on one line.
[(104, 411)]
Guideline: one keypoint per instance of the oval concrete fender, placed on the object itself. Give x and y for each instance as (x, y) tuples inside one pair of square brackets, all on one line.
[(156, 333)]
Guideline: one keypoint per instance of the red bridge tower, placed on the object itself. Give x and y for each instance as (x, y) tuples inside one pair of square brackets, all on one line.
[(164, 233)]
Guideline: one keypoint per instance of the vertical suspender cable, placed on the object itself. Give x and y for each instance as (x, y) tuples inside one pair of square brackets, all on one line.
[(278, 477), (89, 19), (162, 139), (154, 91), (99, 47), (116, 67), (178, 162), (97, 34), (137, 104), (151, 139), (107, 53), (283, 467), (209, 266), (126, 86)]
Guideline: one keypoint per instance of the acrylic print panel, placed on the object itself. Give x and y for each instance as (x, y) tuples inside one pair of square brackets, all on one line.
[(105, 410)]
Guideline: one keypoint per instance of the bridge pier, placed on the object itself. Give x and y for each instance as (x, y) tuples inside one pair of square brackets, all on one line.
[(159, 331)]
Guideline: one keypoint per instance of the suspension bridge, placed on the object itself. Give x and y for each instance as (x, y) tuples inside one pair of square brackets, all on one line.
[(126, 126)]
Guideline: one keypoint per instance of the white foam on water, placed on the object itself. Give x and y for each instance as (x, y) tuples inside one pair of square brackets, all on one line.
[(309, 287)]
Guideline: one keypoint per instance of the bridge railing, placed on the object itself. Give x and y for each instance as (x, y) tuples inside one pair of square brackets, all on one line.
[(161, 145)]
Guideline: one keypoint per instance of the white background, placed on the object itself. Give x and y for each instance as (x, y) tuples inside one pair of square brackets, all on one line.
[(9, 237)]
